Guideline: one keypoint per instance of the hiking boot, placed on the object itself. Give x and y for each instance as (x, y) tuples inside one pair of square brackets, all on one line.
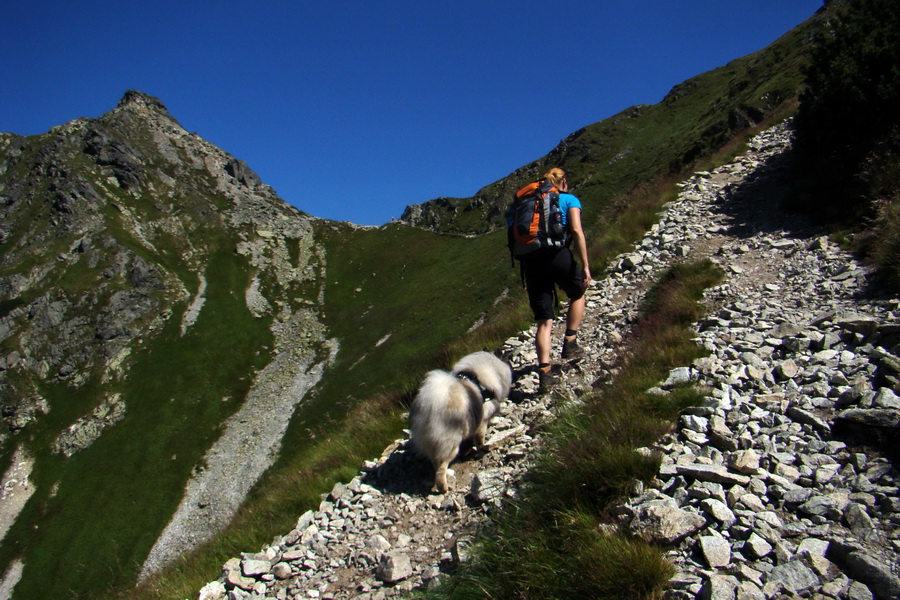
[(548, 381), (571, 349)]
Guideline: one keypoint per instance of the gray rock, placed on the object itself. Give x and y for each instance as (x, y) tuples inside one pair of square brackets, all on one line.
[(794, 575), (716, 550), (215, 590), (719, 511), (394, 567), (758, 546), (860, 522), (747, 590), (678, 376), (886, 398), (859, 591), (745, 462), (808, 418), (872, 571), (658, 521), (719, 587), (856, 322), (255, 567), (884, 418), (787, 369), (282, 571), (234, 578), (488, 486), (715, 473)]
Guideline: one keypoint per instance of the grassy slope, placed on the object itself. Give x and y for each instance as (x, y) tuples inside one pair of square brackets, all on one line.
[(390, 281), (96, 514), (86, 504)]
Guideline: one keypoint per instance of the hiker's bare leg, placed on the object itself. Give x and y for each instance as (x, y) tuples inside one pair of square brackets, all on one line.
[(542, 340), (574, 315)]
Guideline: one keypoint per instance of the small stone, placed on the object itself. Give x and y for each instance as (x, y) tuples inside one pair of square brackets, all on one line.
[(213, 591), (719, 511), (787, 369), (488, 486), (719, 587), (794, 575), (254, 567), (281, 571), (886, 398), (758, 546), (745, 462)]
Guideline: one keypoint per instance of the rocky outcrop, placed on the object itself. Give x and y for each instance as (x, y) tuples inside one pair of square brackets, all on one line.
[(110, 228), (760, 495), (85, 431), (96, 213)]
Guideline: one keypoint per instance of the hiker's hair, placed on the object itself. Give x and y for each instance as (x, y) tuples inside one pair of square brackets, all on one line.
[(555, 176)]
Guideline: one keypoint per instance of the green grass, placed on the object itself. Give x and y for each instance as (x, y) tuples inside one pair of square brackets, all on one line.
[(552, 543), (425, 291), (176, 397), (273, 508)]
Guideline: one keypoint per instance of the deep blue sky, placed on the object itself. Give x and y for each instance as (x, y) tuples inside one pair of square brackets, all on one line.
[(352, 110)]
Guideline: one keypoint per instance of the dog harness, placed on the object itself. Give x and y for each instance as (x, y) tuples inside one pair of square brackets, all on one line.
[(470, 376)]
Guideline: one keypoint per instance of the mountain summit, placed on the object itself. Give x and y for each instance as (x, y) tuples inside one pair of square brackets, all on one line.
[(140, 99), (150, 287)]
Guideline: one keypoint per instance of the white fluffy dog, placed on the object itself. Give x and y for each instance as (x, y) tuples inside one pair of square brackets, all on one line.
[(451, 408)]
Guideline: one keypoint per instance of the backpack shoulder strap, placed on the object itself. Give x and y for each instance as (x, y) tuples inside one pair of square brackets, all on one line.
[(546, 186), (528, 190)]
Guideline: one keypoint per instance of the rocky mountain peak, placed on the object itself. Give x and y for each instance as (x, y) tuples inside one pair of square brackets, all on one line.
[(142, 100)]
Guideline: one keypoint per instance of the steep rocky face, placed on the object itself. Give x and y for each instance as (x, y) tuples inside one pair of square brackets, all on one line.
[(105, 226), (124, 238)]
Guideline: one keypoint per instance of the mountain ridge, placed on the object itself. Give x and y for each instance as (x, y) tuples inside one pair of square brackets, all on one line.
[(734, 98)]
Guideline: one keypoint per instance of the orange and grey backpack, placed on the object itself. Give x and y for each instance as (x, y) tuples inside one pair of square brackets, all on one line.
[(534, 220)]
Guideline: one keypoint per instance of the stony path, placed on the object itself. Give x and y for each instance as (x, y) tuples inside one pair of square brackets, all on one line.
[(757, 499)]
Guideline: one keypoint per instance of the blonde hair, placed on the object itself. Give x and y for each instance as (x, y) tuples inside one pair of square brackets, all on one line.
[(555, 176)]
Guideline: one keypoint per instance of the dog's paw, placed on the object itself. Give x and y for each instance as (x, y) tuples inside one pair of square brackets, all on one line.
[(442, 487), (481, 450)]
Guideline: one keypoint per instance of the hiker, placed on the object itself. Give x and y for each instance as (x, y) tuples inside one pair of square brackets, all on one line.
[(549, 267)]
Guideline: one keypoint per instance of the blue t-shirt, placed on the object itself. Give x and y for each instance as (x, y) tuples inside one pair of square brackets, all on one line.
[(567, 201)]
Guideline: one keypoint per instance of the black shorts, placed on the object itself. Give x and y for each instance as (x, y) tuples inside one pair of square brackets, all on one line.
[(543, 272)]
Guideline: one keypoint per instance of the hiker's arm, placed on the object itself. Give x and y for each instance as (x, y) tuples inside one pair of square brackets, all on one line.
[(574, 218)]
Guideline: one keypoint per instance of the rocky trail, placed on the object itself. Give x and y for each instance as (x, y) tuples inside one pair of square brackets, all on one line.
[(764, 491)]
